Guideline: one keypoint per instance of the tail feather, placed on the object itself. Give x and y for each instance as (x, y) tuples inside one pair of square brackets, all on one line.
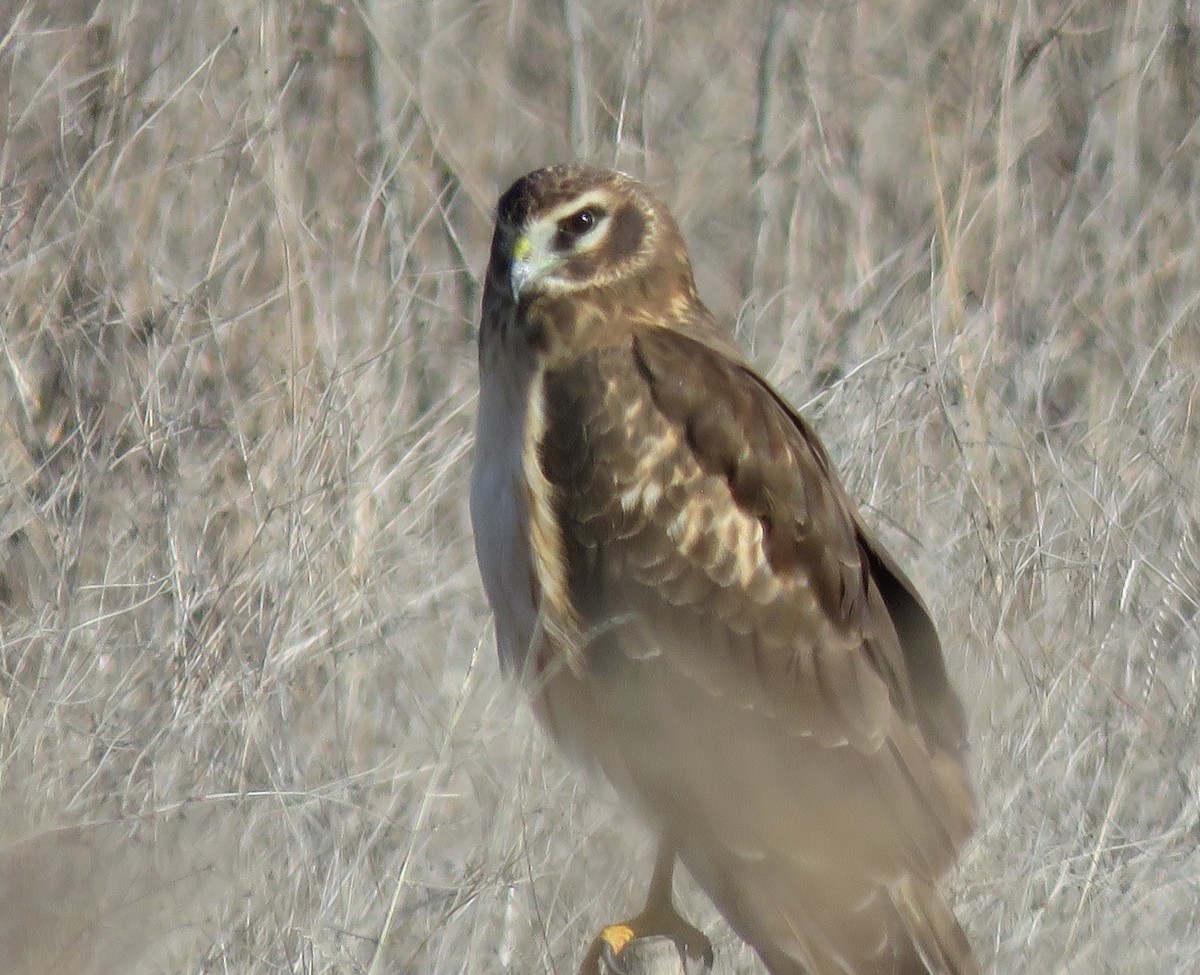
[(826, 923), (936, 935)]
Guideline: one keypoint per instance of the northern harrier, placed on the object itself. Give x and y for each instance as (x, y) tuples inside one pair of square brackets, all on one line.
[(694, 603)]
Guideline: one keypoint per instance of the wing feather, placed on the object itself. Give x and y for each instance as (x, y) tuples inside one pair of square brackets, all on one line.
[(759, 668)]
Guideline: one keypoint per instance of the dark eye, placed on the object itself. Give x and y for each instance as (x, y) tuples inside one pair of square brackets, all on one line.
[(577, 224), (583, 221)]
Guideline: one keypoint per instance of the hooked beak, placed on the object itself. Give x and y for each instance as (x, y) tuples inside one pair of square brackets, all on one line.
[(522, 269)]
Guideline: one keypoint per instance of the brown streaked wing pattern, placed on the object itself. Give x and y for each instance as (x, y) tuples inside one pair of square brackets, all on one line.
[(930, 699), (731, 620)]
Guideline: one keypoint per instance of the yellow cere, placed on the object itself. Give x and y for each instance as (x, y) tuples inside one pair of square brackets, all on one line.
[(521, 248)]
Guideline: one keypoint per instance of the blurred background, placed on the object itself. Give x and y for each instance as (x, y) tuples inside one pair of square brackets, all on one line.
[(251, 718)]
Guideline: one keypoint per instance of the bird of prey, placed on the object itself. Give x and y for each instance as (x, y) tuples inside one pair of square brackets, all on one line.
[(695, 606)]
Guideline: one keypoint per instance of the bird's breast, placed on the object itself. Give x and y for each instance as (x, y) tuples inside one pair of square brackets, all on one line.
[(500, 509), (517, 537)]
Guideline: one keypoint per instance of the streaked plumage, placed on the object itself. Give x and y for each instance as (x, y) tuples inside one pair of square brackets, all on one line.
[(692, 599)]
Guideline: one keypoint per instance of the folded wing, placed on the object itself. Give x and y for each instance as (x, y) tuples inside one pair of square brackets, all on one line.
[(761, 675)]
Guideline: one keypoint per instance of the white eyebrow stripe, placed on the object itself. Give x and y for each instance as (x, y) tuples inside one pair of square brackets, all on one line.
[(598, 197), (547, 224)]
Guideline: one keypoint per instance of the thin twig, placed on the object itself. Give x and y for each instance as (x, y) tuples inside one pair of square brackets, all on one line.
[(767, 58), (578, 124)]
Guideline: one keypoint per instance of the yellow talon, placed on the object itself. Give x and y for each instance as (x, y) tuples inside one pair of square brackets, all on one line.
[(658, 921), (617, 936)]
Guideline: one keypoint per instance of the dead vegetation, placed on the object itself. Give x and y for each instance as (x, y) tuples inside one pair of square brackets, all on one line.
[(250, 716)]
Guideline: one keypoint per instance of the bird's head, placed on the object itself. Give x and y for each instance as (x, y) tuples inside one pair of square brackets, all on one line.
[(574, 239), (566, 228)]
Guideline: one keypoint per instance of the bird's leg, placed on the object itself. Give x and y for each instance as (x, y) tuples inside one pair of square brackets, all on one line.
[(658, 920)]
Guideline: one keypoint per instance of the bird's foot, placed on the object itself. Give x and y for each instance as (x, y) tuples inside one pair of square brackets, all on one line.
[(657, 941)]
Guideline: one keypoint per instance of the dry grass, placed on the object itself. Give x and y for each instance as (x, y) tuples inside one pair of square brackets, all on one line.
[(250, 716)]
